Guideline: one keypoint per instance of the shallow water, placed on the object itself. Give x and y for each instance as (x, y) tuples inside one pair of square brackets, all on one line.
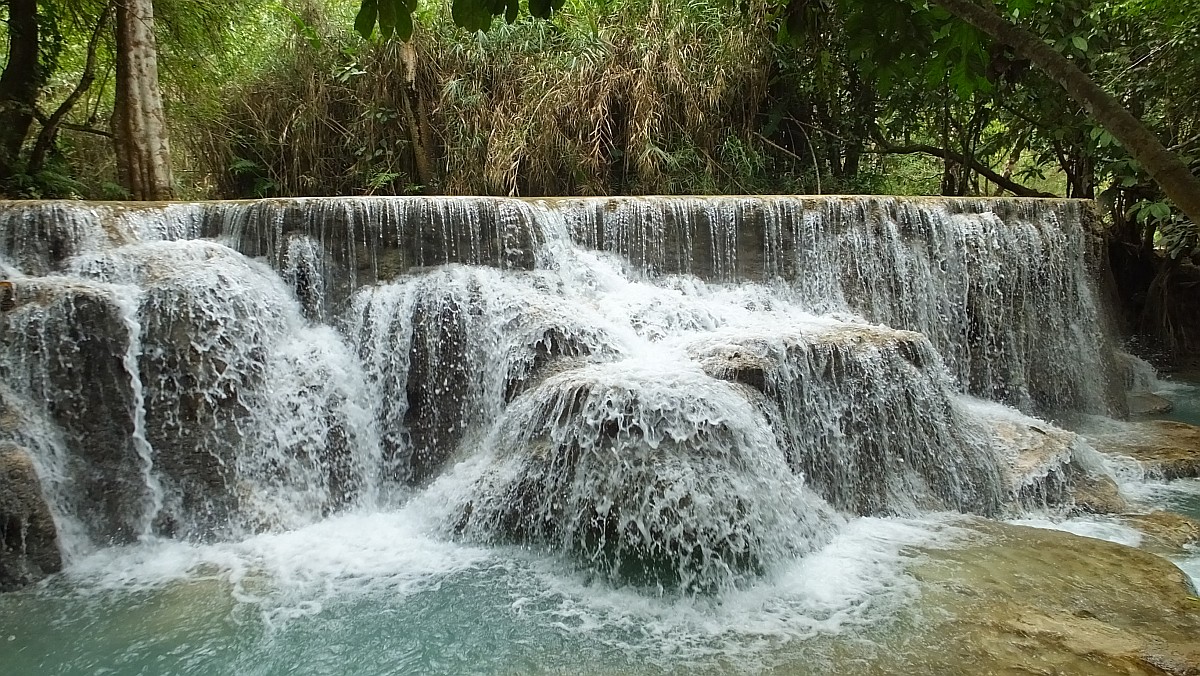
[(1180, 496), (373, 594), (1186, 399)]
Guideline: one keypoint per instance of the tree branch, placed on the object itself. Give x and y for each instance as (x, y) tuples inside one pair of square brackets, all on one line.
[(1167, 169), (951, 156), (83, 128), (45, 139)]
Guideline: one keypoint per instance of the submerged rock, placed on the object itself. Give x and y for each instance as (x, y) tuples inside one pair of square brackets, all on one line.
[(28, 538), (1148, 403), (1166, 450), (1013, 599), (1165, 532)]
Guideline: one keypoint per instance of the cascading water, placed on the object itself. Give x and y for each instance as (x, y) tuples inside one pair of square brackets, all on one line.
[(682, 395)]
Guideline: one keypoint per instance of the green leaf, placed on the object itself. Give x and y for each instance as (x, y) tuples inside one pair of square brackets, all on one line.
[(473, 15), (540, 8), (364, 22), (387, 18), (1080, 43), (404, 25)]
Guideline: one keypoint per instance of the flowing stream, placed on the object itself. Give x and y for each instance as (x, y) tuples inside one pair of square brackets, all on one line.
[(478, 435)]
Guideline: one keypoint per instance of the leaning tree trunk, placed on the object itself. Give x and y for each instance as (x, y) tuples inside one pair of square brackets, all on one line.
[(19, 85), (1170, 172), (139, 123)]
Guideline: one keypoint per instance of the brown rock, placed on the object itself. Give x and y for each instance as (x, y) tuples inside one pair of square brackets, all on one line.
[(1097, 495), (1166, 532), (1048, 466), (1026, 600), (28, 538), (1170, 450)]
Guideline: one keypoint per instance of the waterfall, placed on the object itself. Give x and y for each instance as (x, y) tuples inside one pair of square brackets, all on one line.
[(670, 392)]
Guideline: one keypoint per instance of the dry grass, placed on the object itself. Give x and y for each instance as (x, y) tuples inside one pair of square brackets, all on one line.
[(649, 96)]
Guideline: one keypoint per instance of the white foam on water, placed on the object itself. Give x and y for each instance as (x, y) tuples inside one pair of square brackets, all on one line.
[(1098, 528), (291, 574), (855, 581)]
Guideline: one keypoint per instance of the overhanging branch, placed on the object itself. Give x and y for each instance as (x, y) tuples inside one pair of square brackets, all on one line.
[(974, 164)]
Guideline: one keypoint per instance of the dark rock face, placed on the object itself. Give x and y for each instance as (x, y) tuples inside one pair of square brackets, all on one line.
[(865, 416), (438, 385), (65, 346), (28, 538), (208, 321)]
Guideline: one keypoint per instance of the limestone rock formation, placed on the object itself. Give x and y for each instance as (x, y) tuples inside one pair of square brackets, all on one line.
[(865, 415), (1015, 597), (1165, 449), (66, 346), (28, 538), (1049, 467), (643, 476)]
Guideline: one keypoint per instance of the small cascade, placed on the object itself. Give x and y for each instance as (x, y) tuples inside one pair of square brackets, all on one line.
[(444, 351), (647, 471), (1000, 287), (66, 347), (865, 414), (677, 393)]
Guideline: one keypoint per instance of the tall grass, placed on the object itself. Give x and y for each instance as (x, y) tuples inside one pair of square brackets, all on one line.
[(638, 96)]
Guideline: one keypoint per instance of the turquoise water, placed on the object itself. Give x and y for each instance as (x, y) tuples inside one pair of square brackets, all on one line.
[(1186, 399), (1181, 496), (372, 594)]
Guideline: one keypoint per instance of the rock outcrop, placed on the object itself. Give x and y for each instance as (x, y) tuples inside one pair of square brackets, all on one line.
[(67, 345), (645, 477), (1013, 599), (865, 415), (1165, 449), (28, 538), (1050, 468)]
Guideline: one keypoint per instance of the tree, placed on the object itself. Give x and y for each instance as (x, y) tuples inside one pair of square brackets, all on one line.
[(1171, 173), (23, 78), (139, 121)]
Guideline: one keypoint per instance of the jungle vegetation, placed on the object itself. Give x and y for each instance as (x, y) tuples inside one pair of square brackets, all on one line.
[(119, 99)]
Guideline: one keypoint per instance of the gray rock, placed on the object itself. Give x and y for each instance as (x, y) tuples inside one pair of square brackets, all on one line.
[(1147, 403), (28, 538), (65, 348), (865, 414)]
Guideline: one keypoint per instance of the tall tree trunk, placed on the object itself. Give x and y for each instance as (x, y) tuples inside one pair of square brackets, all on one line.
[(1172, 175), (19, 85), (139, 122), (416, 121)]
